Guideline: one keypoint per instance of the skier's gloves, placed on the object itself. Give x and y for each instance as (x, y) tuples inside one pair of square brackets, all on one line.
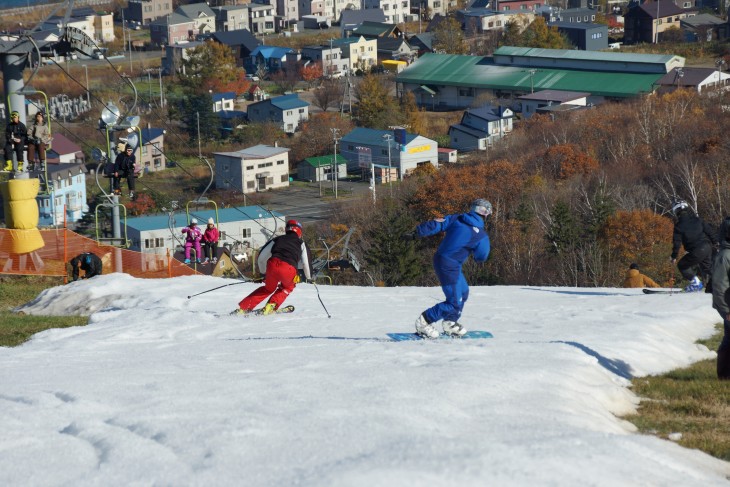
[(409, 236)]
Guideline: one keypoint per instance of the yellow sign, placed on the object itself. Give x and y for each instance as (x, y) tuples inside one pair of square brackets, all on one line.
[(422, 148)]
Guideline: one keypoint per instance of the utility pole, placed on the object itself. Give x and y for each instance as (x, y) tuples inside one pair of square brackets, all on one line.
[(335, 172), (197, 114), (160, 74), (88, 98), (388, 138)]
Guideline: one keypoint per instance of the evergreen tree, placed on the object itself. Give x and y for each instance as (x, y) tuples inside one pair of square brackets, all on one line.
[(564, 232), (395, 258), (197, 110)]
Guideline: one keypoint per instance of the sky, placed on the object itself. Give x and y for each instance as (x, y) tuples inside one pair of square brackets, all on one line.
[(160, 389)]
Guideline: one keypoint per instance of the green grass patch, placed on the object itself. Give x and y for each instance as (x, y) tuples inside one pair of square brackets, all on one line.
[(690, 401), (15, 291)]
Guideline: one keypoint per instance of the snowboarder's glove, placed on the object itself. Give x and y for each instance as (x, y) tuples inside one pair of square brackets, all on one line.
[(409, 236)]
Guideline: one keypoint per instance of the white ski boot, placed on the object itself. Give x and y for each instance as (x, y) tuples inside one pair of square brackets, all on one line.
[(454, 329), (426, 329)]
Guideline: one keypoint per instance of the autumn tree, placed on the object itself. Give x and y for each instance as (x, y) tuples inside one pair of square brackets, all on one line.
[(329, 94), (414, 116), (212, 67), (449, 38), (310, 73), (198, 116), (376, 107), (564, 161), (285, 79), (538, 34), (315, 138)]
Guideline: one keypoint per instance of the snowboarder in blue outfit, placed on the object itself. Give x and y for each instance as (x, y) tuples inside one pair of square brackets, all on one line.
[(465, 235)]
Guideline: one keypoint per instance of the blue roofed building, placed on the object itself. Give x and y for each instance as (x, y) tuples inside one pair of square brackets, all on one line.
[(272, 58), (223, 101), (288, 110), (396, 149), (67, 193), (247, 226)]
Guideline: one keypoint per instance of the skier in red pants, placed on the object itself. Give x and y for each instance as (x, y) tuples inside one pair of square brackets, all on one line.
[(279, 260)]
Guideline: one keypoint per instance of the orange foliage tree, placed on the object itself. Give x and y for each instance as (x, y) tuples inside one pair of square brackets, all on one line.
[(564, 161), (643, 237)]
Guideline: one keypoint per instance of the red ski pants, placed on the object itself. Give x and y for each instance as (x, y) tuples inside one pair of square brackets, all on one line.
[(279, 280)]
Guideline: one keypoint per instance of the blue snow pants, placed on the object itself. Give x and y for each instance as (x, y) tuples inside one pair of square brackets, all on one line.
[(456, 295)]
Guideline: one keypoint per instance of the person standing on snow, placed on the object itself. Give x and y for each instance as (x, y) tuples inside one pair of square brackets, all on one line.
[(193, 235), (210, 242), (721, 297), (634, 278), (698, 239), (279, 260), (465, 235)]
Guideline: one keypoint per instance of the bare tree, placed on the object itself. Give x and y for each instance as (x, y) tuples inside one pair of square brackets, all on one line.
[(329, 94)]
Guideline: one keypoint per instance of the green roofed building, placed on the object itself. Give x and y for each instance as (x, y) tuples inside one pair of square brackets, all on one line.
[(450, 81), (321, 168)]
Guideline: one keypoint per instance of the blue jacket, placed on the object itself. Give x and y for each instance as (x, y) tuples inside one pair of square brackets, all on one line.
[(465, 234)]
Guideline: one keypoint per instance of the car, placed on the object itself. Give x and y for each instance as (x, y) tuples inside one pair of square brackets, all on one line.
[(336, 75), (252, 77)]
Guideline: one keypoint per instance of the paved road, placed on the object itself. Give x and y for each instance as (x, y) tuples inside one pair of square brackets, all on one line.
[(304, 203)]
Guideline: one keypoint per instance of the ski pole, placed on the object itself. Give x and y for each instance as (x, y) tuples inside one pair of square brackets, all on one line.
[(320, 300), (219, 287)]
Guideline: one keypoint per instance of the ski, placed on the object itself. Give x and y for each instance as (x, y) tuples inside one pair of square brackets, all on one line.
[(470, 335), (662, 291), (260, 312)]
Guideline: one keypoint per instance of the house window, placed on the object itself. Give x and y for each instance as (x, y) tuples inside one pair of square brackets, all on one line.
[(251, 184), (279, 163), (284, 178), (301, 110), (466, 91), (246, 233), (249, 168), (265, 164)]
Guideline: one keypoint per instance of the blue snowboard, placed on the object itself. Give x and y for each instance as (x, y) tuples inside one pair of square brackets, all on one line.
[(404, 337)]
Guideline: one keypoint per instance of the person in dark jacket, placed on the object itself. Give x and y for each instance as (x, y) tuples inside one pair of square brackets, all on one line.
[(465, 235), (16, 135), (721, 297), (634, 278), (698, 238), (279, 260), (124, 168), (88, 262)]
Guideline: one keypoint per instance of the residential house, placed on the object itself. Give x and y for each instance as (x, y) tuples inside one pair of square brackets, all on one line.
[(175, 55), (64, 151), (584, 36), (270, 58), (360, 53), (480, 128), (423, 43), (373, 30), (698, 79), (288, 110), (231, 18), (66, 200), (314, 8), (202, 15), (82, 19), (103, 26), (256, 168), (646, 22), (385, 149), (316, 169), (568, 15), (147, 11), (351, 18), (287, 10), (223, 101), (481, 20), (328, 56), (704, 28), (251, 226), (262, 19), (534, 102), (241, 42), (395, 49), (523, 5), (396, 11), (152, 156), (171, 29)]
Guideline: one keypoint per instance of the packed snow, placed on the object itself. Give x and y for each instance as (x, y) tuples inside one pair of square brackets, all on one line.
[(160, 389)]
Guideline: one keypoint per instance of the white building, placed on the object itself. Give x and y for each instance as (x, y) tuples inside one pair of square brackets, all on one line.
[(249, 226), (396, 11), (256, 168)]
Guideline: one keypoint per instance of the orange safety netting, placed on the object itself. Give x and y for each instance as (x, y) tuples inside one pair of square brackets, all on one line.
[(61, 245)]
